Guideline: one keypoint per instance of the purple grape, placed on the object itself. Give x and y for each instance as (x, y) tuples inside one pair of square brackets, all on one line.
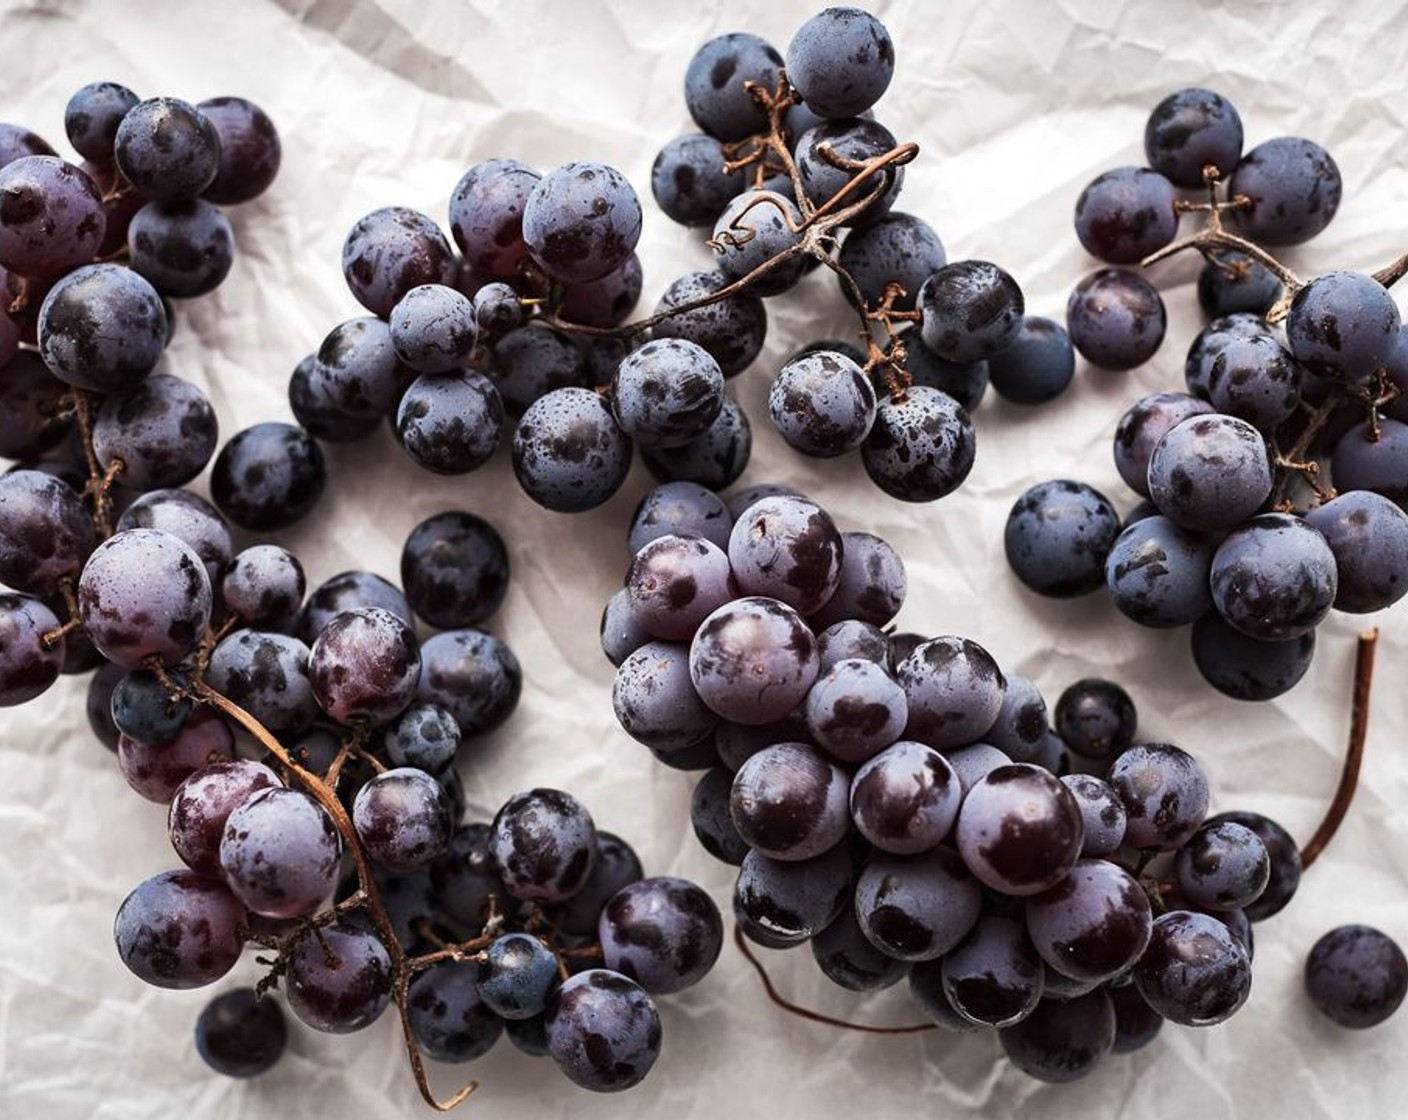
[(267, 675), (1157, 573), (1197, 366), (32, 416), (1063, 1040), (188, 517), (616, 867), (1274, 577), (854, 710), (965, 382), (1356, 976), (1256, 380), (921, 447), (167, 148), (753, 660), (464, 878), (905, 799), (1294, 187), (250, 151), (184, 246), (147, 709), (850, 640), (455, 569), (789, 549), (349, 591), (179, 930), (28, 665), (664, 933), (365, 666), (1092, 925), (1116, 319), (1210, 472), (51, 218), (450, 424), (841, 61), (606, 301), (268, 476), (1285, 862), (202, 805), (972, 763), (1143, 425), (263, 585), (714, 81), (853, 139), (754, 228), (1368, 535), (655, 701), (544, 844), (732, 330), (709, 815), (1232, 281), (1101, 812), (1194, 972), (1246, 668), (424, 736), (621, 633), (971, 310), (581, 221), (531, 362), (102, 328), (714, 459), (498, 312), (849, 960), (402, 818), (954, 690), (603, 1031), (1058, 536), (310, 398), (1343, 325), (790, 901), (568, 453), (357, 371), (156, 770), (280, 853), (1364, 460), (823, 404), (667, 393), (1136, 1023), (675, 508), (472, 675), (241, 1033), (486, 216), (789, 802), (391, 251), (993, 977), (1164, 793), (339, 980), (17, 142), (1125, 214), (894, 249), (433, 328), (46, 534), (1224, 866), (92, 117), (1019, 830), (872, 585), (1038, 365), (164, 430), (917, 908), (1189, 131)]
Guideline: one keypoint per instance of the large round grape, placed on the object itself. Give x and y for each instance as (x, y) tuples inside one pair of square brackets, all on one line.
[(1058, 536), (753, 660), (267, 675), (1247, 668), (51, 217), (102, 328), (1343, 325), (240, 1033), (1294, 189), (823, 404), (787, 902), (339, 981), (970, 310), (861, 140), (167, 148), (905, 799), (455, 569), (1164, 793), (1225, 866), (789, 802), (92, 117), (655, 701), (544, 844), (184, 247), (1062, 1040), (450, 423), (664, 933), (675, 508), (1274, 577), (389, 252), (603, 1030), (1368, 535), (786, 548), (581, 221), (403, 818), (486, 215), (917, 908), (872, 585), (451, 1020), (714, 84), (753, 228), (1038, 365), (1125, 214), (894, 249), (365, 666), (855, 709), (921, 446), (45, 532), (1191, 130), (731, 329), (164, 430), (531, 362), (994, 977), (667, 392), (954, 691), (1210, 472), (569, 454), (841, 61), (179, 930), (250, 151), (1357, 976), (1116, 319), (472, 675), (1142, 426), (1157, 573), (1093, 924), (268, 476), (688, 180), (1019, 830), (714, 459), (281, 853), (1194, 972)]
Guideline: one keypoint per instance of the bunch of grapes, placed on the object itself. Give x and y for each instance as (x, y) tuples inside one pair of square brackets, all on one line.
[(1289, 377)]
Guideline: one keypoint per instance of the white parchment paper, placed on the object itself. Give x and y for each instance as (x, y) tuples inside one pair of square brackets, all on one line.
[(1015, 107)]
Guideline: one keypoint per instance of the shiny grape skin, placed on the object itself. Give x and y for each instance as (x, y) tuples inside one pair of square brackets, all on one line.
[(1094, 924), (31, 418), (753, 660), (472, 675), (486, 216), (1019, 830), (1143, 425), (790, 901), (365, 667), (732, 330), (789, 802), (965, 382), (531, 362), (788, 549), (823, 404), (1360, 462), (1357, 976), (1164, 793), (179, 930), (46, 534), (346, 995), (1224, 866), (516, 976), (311, 401), (674, 508), (92, 117), (667, 393), (655, 701), (267, 675), (164, 430), (1101, 811), (1368, 535), (268, 476), (841, 61), (971, 310), (280, 853), (993, 977), (156, 770), (920, 448), (51, 218), (202, 804), (263, 585), (498, 312), (917, 908), (581, 221), (1246, 668), (1157, 573), (1294, 186), (1190, 130), (102, 328), (713, 84), (850, 640), (1210, 472), (433, 328), (606, 301), (1125, 214), (27, 666), (1274, 578), (1285, 862), (250, 151), (954, 690), (709, 816), (544, 844), (665, 933), (871, 587), (402, 818), (714, 459), (1037, 367), (603, 1030), (424, 736), (144, 593), (855, 710), (1343, 325), (848, 959), (1235, 282), (1116, 319), (1062, 1040), (894, 249), (184, 247), (455, 569), (905, 800), (753, 228), (851, 138), (1256, 380), (569, 455), (1058, 536), (450, 424), (390, 251), (1194, 972), (240, 1033), (616, 867), (188, 517), (167, 148), (1208, 343)]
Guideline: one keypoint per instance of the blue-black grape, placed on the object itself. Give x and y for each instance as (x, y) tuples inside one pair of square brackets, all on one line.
[(1164, 793), (667, 393), (1191, 130), (268, 476), (1058, 536), (32, 419), (263, 586), (1294, 186), (787, 902), (451, 1019), (921, 447), (1274, 577), (164, 430), (1246, 668), (1092, 925), (621, 633), (188, 517), (250, 151), (994, 976), (689, 182), (1210, 472), (753, 228), (28, 665), (965, 382), (675, 508), (389, 252), (1343, 325), (675, 582), (144, 708), (971, 310), (841, 61), (156, 770), (1208, 343), (1038, 365), (714, 459), (1368, 535), (1232, 282), (788, 549), (1194, 972), (357, 371), (1256, 380), (486, 216), (822, 180), (102, 328), (710, 818), (790, 802), (732, 330), (532, 361), (1116, 319), (655, 701), (894, 249), (517, 975), (183, 246), (167, 148), (45, 533), (455, 569), (954, 690), (1143, 425), (871, 587), (855, 709), (544, 844), (402, 818), (1224, 866), (51, 217), (92, 116), (364, 666), (450, 423), (823, 404), (1157, 573), (616, 867), (472, 675), (1366, 458), (569, 454), (241, 1033), (714, 81), (606, 301), (849, 960), (348, 591), (433, 328), (1063, 1040), (1125, 214), (202, 804), (905, 799), (1101, 811), (1357, 976), (581, 221)]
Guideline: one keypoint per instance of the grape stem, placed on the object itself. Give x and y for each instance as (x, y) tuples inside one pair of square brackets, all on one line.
[(100, 480), (1354, 755)]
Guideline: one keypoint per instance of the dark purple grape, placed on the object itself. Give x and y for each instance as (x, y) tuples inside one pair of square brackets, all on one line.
[(1368, 535), (32, 416), (310, 398), (788, 549), (921, 447), (183, 246), (709, 815), (568, 453), (455, 569), (167, 148), (16, 142), (241, 1033), (894, 249), (164, 431), (1143, 425), (339, 979), (616, 867), (266, 674), (179, 930), (917, 908), (851, 640), (1284, 857), (1125, 214), (905, 799), (841, 61), (1157, 573), (993, 977), (872, 585), (1136, 1023), (954, 690), (714, 459), (664, 933), (268, 476), (1343, 325), (51, 218), (675, 508), (1038, 365), (472, 675), (1356, 976), (365, 666), (516, 977), (250, 151), (391, 251), (1021, 727), (1256, 380), (822, 404), (603, 1030), (1197, 366), (1101, 811), (46, 534), (1019, 830), (146, 709), (1116, 319), (926, 988), (486, 216), (971, 310), (667, 393), (92, 116), (1092, 925), (581, 221), (852, 139), (349, 591), (753, 660), (1246, 668), (1164, 793), (544, 844), (424, 736), (655, 702), (621, 633), (973, 763), (789, 901), (402, 818), (606, 301), (99, 698), (1210, 472), (357, 370), (1058, 536), (1063, 1040), (263, 586), (498, 312), (1191, 130), (280, 853), (714, 81), (28, 665), (464, 878), (202, 805), (1366, 460), (849, 960), (1274, 577), (1194, 972), (102, 328), (433, 328), (789, 802), (531, 362), (189, 518), (732, 330), (1232, 282), (450, 424), (1294, 187), (756, 227), (1224, 866), (855, 709), (965, 382)]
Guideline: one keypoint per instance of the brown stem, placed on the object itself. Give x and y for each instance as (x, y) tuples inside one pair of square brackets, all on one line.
[(1213, 236), (100, 481), (50, 638), (1299, 451), (806, 1013), (1391, 274), (1354, 755)]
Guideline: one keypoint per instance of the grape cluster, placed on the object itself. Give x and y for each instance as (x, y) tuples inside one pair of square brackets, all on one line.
[(1220, 544)]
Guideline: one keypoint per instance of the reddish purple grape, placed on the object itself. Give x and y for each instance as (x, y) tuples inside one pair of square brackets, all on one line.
[(1020, 830), (28, 666), (250, 151), (156, 770), (389, 252), (905, 799), (203, 803), (365, 666), (339, 981), (51, 217), (603, 1030), (753, 660), (789, 802), (402, 818), (179, 930)]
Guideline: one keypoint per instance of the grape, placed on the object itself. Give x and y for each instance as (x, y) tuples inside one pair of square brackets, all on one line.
[(655, 701), (188, 517), (921, 446), (498, 311), (1164, 793), (144, 593), (263, 585), (450, 424), (1274, 577), (1233, 282), (391, 251), (486, 216), (787, 548), (971, 310), (667, 393), (183, 246), (822, 180), (464, 878), (349, 591), (1101, 812), (972, 763), (529, 1035), (789, 901), (789, 802), (1396, 368), (1284, 857), (753, 660), (737, 743), (954, 690), (1256, 380), (268, 476), (99, 698), (1224, 866), (433, 328), (1019, 830), (709, 815), (250, 151), (740, 500), (179, 930), (926, 988), (617, 866), (517, 976), (753, 228), (1116, 319), (1190, 130), (851, 640), (732, 330), (714, 81), (1343, 325), (606, 301), (581, 221), (855, 710), (621, 633), (872, 585), (1294, 186), (965, 382), (310, 398), (364, 667), (17, 142), (849, 960), (544, 844), (202, 805), (1194, 972), (568, 453), (676, 508), (1038, 365), (32, 419), (1058, 536), (674, 583), (664, 933), (1356, 976), (1062, 1040), (905, 799), (1197, 366), (841, 61), (1143, 425), (532, 362), (1136, 1023), (45, 533), (51, 217), (455, 569), (1157, 573), (423, 736), (1125, 214), (358, 371), (1363, 462), (145, 709), (894, 249), (917, 908), (993, 976), (1368, 535), (241, 1033), (280, 853), (1020, 728), (473, 676), (1092, 925), (164, 430), (714, 459), (1210, 472), (339, 980), (28, 666), (267, 675), (167, 148), (823, 404), (102, 328), (92, 116), (603, 1030), (1246, 668), (402, 818)]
